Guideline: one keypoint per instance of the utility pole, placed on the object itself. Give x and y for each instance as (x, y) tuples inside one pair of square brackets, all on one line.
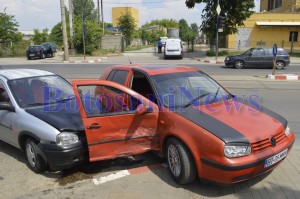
[(98, 6), (71, 17), (217, 29), (102, 17), (64, 27)]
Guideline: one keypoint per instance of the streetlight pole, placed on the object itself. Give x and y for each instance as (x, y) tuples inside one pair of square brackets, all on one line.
[(64, 27), (217, 29)]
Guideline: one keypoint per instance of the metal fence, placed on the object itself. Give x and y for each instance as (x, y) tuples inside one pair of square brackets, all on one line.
[(246, 44)]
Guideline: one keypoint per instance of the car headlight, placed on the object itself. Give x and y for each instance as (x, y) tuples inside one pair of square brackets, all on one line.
[(287, 131), (227, 59), (233, 151), (65, 138)]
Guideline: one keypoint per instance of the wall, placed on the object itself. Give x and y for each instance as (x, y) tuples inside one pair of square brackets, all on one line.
[(268, 35), (112, 42), (120, 11)]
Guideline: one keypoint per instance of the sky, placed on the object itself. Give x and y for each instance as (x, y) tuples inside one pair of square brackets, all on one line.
[(41, 14)]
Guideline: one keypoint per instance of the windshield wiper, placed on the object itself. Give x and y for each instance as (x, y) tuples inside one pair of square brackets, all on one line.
[(195, 99), (216, 94), (65, 100), (36, 104)]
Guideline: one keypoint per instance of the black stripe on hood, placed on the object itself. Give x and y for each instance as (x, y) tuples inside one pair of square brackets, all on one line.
[(214, 126)]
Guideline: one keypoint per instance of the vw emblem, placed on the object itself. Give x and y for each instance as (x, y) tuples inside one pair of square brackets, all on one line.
[(273, 141)]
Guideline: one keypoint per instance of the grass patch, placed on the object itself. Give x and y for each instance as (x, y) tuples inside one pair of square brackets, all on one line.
[(295, 54), (132, 48)]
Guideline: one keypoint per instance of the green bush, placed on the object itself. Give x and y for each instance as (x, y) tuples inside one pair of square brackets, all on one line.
[(211, 53)]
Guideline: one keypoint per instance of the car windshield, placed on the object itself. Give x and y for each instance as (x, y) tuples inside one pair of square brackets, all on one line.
[(248, 51), (188, 88), (36, 91)]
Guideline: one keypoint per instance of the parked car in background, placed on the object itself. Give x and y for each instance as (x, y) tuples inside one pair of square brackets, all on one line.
[(49, 50), (260, 58), (52, 46), (173, 48), (36, 51)]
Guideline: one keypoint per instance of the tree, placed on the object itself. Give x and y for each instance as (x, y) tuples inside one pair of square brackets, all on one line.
[(40, 37), (126, 22), (183, 30), (234, 11), (165, 23), (92, 36), (9, 28), (56, 34), (87, 8)]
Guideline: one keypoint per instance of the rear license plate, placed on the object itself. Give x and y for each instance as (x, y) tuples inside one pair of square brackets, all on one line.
[(276, 158), (31, 55)]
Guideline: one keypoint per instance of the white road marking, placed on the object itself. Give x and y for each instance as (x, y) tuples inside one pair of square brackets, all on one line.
[(111, 177)]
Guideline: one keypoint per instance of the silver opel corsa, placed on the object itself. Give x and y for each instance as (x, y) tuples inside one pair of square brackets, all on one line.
[(38, 115)]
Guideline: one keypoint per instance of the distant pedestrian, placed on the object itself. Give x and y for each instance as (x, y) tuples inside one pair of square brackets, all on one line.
[(159, 46)]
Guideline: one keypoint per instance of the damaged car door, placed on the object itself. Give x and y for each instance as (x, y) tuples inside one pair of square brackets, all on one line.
[(117, 121)]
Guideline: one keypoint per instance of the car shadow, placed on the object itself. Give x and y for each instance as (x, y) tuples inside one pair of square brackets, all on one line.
[(207, 189)]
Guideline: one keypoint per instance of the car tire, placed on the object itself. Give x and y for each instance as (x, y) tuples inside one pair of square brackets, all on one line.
[(180, 162), (28, 58), (34, 160), (239, 64), (280, 65)]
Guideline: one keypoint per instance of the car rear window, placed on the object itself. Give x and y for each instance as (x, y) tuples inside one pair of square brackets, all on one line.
[(282, 52)]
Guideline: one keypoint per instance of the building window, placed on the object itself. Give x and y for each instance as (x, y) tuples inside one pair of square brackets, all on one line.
[(273, 4), (293, 36)]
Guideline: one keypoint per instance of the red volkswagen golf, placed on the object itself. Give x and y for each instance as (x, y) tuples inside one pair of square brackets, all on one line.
[(200, 128)]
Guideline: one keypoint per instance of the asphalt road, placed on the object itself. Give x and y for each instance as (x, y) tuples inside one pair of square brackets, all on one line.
[(280, 96)]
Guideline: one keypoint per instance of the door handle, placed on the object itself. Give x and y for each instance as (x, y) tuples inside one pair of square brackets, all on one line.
[(94, 126)]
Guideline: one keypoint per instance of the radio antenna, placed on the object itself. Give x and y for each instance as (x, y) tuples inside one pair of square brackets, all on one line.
[(129, 59)]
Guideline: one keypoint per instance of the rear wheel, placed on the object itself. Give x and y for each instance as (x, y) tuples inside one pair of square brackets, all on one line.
[(280, 65), (34, 160), (180, 161), (239, 64)]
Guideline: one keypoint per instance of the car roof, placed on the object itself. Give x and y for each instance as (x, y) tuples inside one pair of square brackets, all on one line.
[(11, 74), (156, 69)]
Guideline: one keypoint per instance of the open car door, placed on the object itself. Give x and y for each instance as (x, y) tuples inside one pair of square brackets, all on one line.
[(117, 121)]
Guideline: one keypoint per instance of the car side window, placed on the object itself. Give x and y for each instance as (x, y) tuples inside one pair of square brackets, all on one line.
[(269, 52), (98, 100), (4, 98), (120, 77), (258, 52)]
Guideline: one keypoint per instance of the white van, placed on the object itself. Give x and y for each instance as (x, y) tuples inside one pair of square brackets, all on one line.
[(173, 48)]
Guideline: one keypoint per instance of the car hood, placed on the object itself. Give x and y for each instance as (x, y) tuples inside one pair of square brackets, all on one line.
[(61, 119), (236, 124)]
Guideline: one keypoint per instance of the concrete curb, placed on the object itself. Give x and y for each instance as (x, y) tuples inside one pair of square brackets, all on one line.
[(284, 77), (84, 61), (210, 61)]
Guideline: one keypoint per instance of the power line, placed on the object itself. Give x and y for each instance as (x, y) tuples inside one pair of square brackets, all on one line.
[(147, 2)]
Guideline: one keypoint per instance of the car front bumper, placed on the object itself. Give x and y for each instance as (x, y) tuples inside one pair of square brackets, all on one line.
[(233, 170), (62, 158), (228, 62)]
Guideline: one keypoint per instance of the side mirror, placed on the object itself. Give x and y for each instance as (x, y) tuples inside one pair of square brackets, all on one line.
[(141, 109), (7, 107)]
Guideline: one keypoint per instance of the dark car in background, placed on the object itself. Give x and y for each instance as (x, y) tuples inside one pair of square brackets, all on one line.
[(260, 58), (36, 51), (52, 48)]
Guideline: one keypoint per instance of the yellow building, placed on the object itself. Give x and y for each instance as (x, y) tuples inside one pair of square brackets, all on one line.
[(120, 11), (265, 29), (281, 6)]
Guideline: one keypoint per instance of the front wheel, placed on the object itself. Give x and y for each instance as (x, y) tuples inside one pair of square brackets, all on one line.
[(35, 162), (239, 64), (180, 162), (280, 65)]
